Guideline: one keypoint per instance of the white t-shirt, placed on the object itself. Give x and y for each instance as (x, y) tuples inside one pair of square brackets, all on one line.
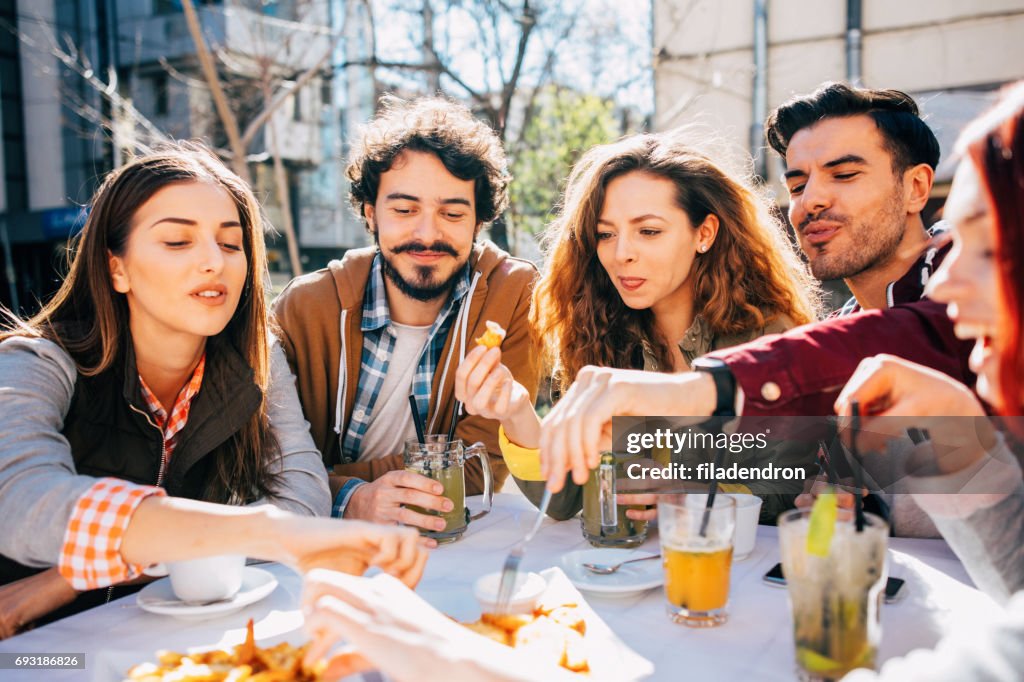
[(391, 422)]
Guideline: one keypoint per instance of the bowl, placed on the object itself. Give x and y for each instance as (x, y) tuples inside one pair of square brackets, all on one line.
[(527, 592)]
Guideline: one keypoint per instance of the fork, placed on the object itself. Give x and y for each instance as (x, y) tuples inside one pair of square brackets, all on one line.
[(511, 568)]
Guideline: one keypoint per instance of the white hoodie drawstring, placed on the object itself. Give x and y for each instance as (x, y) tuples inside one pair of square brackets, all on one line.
[(461, 322), (342, 377)]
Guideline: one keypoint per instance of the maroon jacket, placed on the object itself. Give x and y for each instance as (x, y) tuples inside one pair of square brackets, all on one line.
[(800, 372)]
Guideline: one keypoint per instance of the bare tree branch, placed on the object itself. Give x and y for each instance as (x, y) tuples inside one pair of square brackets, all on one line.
[(227, 117), (283, 94), (108, 89)]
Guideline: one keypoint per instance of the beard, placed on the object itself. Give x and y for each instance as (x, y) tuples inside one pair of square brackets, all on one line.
[(877, 240), (424, 284)]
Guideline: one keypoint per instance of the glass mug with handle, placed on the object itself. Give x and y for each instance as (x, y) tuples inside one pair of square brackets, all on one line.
[(445, 462)]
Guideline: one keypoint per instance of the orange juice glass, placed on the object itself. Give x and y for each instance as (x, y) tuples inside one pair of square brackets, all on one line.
[(697, 565)]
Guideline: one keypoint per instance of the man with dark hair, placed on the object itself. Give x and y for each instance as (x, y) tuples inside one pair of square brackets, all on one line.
[(859, 169), (391, 322)]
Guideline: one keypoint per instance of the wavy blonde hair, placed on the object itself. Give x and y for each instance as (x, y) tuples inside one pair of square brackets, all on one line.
[(750, 277)]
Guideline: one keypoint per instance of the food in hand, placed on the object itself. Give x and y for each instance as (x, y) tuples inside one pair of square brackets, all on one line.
[(493, 337), (553, 633), (245, 663)]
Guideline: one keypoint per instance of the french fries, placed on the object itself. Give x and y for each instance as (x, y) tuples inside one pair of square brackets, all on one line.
[(493, 337), (552, 632), (245, 663)]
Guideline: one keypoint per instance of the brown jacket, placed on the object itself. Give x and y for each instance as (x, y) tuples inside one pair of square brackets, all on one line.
[(320, 315)]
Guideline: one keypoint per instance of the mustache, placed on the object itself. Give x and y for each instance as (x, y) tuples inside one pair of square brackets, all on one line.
[(418, 247), (824, 215)]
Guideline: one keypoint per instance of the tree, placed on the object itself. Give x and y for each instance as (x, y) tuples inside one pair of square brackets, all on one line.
[(277, 86), (565, 124), (500, 55)]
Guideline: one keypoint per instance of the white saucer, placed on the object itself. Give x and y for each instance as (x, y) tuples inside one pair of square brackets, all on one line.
[(256, 584), (628, 580)]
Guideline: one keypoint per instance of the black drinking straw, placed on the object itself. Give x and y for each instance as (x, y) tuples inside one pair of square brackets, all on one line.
[(455, 420), (713, 487), (858, 474), (825, 466), (416, 420)]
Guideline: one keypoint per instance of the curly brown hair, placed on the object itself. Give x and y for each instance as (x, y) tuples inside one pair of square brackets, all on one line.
[(751, 277), (467, 147)]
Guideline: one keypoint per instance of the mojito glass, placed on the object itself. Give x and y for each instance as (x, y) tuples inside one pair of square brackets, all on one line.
[(836, 598)]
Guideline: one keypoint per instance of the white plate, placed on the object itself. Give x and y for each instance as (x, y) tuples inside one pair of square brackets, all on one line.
[(256, 584), (628, 580)]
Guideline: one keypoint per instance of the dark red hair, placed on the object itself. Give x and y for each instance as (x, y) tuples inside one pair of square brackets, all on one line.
[(997, 151)]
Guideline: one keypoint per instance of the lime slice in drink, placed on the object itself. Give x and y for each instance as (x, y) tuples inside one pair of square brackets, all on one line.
[(822, 524), (816, 663)]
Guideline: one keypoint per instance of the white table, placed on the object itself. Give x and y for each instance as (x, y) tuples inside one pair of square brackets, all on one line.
[(756, 643)]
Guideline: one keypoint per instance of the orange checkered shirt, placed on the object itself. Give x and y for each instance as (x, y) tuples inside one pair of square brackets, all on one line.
[(91, 554)]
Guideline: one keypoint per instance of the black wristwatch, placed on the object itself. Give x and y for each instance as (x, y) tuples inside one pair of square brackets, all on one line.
[(725, 385)]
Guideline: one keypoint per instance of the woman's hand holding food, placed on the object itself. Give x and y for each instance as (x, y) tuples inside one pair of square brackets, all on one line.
[(487, 388)]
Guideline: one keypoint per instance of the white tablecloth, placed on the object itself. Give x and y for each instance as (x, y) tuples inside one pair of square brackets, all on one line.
[(756, 643)]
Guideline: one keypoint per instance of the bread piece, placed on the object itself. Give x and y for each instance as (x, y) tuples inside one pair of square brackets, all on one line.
[(490, 632), (493, 337)]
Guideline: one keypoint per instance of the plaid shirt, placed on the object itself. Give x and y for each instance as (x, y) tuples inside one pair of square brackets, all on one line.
[(90, 556), (379, 341)]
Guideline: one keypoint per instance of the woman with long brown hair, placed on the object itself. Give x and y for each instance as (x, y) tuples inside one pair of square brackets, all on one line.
[(147, 395), (657, 257)]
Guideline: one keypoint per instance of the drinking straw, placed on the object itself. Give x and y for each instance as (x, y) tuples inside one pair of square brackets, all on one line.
[(713, 487), (417, 420), (826, 466), (455, 420), (858, 475)]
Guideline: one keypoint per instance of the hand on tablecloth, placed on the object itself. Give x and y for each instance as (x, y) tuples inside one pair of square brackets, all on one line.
[(31, 598), (351, 546), (396, 631)]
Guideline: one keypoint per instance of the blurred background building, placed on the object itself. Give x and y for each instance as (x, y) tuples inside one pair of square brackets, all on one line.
[(86, 83), (727, 63), (730, 62)]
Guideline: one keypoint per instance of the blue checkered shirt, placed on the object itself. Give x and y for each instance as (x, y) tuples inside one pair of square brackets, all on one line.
[(378, 343)]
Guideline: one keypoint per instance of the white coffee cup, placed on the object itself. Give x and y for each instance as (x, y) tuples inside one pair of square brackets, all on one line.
[(748, 512), (208, 579)]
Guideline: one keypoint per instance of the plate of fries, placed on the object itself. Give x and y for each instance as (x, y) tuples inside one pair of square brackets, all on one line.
[(245, 662)]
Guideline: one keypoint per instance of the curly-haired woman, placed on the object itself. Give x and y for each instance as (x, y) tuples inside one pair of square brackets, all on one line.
[(657, 257)]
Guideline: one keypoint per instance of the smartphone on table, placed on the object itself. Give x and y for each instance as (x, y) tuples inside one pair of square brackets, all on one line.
[(893, 586)]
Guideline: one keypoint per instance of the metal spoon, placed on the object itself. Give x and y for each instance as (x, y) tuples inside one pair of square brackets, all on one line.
[(605, 569)]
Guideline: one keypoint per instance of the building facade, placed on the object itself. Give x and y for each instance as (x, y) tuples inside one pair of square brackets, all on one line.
[(60, 135), (728, 62)]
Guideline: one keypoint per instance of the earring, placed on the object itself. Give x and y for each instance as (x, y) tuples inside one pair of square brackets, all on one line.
[(703, 248)]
